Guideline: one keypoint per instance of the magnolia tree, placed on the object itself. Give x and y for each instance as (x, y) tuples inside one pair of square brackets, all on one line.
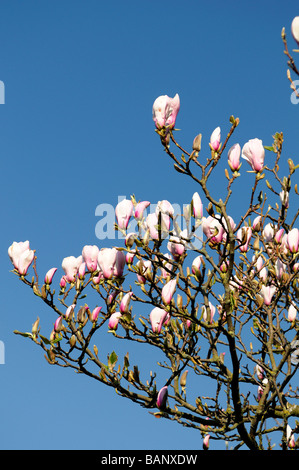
[(218, 299)]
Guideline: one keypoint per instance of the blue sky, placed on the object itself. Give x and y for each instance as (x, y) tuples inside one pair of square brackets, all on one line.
[(76, 131)]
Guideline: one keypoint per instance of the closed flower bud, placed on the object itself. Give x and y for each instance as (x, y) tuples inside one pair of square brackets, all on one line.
[(290, 435), (139, 209), (267, 293), (162, 397), (196, 265), (292, 313), (95, 313), (81, 271), (72, 341), (254, 152), (234, 157), (113, 321), (157, 318), (168, 291), (208, 316), (35, 327), (295, 29), (90, 256), (215, 139), (197, 206), (107, 260), (123, 212), (206, 442), (49, 275), (58, 325), (293, 240), (70, 265), (125, 301), (197, 143)]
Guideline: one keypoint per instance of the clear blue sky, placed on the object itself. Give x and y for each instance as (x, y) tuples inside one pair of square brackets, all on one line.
[(76, 131)]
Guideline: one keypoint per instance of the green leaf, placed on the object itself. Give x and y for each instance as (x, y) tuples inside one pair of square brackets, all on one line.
[(271, 149), (45, 340), (126, 361), (112, 360)]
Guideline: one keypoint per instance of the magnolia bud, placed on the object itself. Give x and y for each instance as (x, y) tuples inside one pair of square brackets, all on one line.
[(197, 143), (72, 341), (35, 327)]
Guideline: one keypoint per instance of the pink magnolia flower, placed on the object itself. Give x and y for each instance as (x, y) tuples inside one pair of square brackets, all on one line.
[(176, 247), (196, 265), (107, 260), (212, 313), (144, 270), (244, 234), (165, 111), (295, 29), (292, 313), (113, 320), (259, 372), (215, 139), (212, 229), (197, 206), (267, 293), (165, 211), (162, 397), (293, 240), (280, 268), (263, 274), (25, 260), (70, 265), (123, 212), (278, 235), (125, 301), (234, 157), (254, 152), (15, 250), (290, 435), (258, 262), (226, 229), (168, 291), (206, 442), (58, 325), (81, 271), (157, 318), (130, 256), (49, 275), (167, 267), (284, 198), (130, 239), (120, 262), (268, 232), (62, 282), (152, 226), (95, 313), (139, 209), (256, 223), (90, 256), (260, 391), (69, 312)]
